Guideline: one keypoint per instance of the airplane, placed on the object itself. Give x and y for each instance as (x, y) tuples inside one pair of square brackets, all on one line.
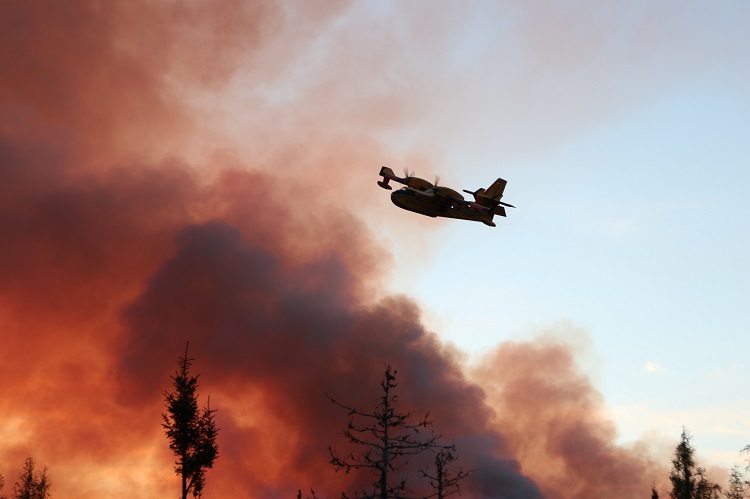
[(432, 200)]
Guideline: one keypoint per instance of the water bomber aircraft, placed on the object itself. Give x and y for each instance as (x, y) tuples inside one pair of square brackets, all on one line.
[(432, 200)]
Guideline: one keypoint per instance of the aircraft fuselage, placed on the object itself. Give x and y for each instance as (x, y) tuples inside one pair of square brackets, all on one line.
[(426, 203)]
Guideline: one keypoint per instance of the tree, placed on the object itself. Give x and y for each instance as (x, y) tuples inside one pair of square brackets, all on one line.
[(682, 475), (654, 493), (736, 489), (443, 480), (191, 432), (31, 484), (746, 450), (313, 496), (387, 437), (705, 488), (688, 480)]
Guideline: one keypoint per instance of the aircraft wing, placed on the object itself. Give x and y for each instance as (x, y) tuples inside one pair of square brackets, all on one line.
[(418, 183)]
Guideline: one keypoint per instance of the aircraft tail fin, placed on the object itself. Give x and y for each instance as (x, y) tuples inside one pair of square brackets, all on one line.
[(491, 197), (495, 191)]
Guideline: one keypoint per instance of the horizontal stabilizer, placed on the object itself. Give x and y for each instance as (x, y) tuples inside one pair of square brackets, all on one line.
[(386, 171)]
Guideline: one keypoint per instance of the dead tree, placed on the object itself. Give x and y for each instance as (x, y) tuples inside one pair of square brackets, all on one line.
[(444, 480), (386, 438)]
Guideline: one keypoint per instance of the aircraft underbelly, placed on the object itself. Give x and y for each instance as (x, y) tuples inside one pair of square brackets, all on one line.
[(416, 205), (434, 208)]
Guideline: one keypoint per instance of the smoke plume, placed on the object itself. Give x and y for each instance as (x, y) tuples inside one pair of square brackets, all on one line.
[(122, 240)]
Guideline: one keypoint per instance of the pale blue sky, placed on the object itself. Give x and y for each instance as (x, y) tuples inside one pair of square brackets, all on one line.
[(638, 233)]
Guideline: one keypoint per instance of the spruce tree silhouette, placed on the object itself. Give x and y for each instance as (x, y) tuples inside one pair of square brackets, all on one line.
[(191, 432), (737, 486), (31, 484), (682, 475)]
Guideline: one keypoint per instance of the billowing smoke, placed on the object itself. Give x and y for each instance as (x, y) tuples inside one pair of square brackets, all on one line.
[(560, 429), (117, 248)]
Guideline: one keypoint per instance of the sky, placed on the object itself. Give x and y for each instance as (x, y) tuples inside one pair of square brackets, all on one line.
[(206, 172)]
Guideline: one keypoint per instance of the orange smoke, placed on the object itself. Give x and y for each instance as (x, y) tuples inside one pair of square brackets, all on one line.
[(117, 247)]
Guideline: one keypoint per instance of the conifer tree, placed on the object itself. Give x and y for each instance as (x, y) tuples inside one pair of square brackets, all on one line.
[(31, 484), (191, 432), (736, 488), (688, 480), (682, 475), (705, 488)]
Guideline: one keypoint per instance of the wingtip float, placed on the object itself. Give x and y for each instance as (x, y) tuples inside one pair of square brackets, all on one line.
[(432, 200)]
